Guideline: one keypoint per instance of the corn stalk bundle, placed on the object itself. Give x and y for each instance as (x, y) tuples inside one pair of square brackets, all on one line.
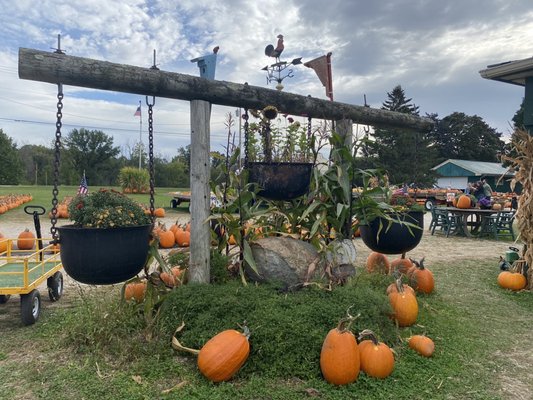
[(522, 164)]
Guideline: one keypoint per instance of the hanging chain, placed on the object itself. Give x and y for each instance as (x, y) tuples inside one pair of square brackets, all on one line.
[(151, 156), (246, 151), (309, 138), (57, 161)]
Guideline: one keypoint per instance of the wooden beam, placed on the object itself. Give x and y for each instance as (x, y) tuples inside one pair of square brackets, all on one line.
[(200, 192), (76, 71)]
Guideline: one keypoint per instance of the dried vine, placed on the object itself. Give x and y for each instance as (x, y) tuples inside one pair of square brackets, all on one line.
[(522, 164)]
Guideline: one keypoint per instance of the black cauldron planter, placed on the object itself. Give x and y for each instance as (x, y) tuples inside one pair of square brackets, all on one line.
[(280, 180), (103, 256), (397, 238)]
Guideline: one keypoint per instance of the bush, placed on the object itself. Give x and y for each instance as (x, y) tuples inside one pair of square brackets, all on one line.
[(134, 180), (288, 329)]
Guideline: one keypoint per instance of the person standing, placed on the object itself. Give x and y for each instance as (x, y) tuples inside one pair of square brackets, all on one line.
[(487, 190)]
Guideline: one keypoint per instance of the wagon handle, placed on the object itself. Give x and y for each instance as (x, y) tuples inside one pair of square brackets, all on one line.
[(37, 210)]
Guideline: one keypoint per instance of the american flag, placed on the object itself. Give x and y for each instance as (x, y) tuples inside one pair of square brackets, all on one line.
[(137, 112), (83, 189)]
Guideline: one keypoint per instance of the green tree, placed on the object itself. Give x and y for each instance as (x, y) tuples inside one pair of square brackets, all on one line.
[(406, 155), (184, 156), (11, 170), (38, 162), (466, 137), (94, 153)]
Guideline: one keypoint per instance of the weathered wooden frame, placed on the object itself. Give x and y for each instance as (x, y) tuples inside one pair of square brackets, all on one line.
[(59, 68)]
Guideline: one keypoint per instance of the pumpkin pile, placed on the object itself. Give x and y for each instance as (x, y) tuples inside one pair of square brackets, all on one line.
[(10, 201), (175, 235)]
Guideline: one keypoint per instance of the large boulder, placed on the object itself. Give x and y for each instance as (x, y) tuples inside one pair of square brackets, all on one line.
[(292, 262)]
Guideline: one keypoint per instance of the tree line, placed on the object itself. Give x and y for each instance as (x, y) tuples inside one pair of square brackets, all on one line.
[(406, 155)]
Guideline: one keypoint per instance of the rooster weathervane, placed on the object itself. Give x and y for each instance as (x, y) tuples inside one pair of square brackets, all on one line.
[(276, 72)]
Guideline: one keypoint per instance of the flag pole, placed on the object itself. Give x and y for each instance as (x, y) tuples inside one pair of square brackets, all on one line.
[(140, 134)]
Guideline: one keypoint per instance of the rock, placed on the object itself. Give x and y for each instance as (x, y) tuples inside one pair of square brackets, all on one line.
[(285, 260)]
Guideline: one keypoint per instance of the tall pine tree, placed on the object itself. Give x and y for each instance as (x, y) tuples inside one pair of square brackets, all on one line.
[(406, 155)]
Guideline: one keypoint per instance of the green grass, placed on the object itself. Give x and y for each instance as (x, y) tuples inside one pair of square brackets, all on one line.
[(97, 348), (42, 195)]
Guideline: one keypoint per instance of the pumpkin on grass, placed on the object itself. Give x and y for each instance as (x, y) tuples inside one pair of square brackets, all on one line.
[(404, 305), (402, 265), (377, 359), (421, 278), (26, 240), (377, 262), (222, 356), (135, 290), (422, 345), (339, 357), (512, 280)]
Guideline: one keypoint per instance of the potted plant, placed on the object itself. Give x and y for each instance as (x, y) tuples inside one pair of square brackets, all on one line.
[(108, 241), (278, 159), (398, 227)]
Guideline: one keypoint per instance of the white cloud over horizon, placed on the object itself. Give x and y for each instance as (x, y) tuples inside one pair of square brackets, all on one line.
[(434, 50)]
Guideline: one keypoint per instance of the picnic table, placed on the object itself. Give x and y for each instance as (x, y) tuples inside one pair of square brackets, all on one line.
[(470, 219)]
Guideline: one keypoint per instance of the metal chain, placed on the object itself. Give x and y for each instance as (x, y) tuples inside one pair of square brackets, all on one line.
[(57, 161), (246, 151), (151, 156), (309, 135)]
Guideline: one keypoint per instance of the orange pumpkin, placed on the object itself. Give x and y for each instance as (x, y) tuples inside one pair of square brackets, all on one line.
[(422, 345), (224, 354), (402, 265), (464, 201), (168, 279), (377, 262), (26, 240), (404, 305), (159, 212), (421, 278), (393, 288), (166, 239), (497, 206), (135, 291), (512, 280), (377, 359), (3, 243), (339, 357), (183, 238)]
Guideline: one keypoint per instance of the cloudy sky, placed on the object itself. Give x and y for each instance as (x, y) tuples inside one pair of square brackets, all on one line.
[(434, 49)]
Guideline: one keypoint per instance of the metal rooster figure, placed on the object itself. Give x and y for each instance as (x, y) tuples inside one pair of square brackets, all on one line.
[(275, 72)]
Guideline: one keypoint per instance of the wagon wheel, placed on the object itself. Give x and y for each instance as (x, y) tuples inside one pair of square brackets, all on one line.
[(4, 298), (55, 286), (30, 307)]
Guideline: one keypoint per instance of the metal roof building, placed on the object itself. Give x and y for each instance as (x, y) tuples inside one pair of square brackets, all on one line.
[(456, 174)]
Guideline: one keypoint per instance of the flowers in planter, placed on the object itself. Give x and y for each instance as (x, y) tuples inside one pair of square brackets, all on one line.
[(106, 209), (269, 142)]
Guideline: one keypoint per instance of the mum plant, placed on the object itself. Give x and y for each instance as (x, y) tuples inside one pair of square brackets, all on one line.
[(106, 209)]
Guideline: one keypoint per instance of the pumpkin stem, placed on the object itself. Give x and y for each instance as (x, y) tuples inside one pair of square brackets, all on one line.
[(399, 284), (176, 345), (346, 323), (370, 334), (245, 330), (403, 256)]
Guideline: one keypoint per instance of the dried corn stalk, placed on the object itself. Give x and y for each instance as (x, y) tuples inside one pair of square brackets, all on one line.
[(523, 167)]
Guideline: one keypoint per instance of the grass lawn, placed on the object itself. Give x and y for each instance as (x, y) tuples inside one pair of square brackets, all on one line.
[(96, 347), (42, 195)]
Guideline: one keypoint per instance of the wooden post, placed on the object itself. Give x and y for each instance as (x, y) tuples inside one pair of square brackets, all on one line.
[(200, 192), (344, 128)]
